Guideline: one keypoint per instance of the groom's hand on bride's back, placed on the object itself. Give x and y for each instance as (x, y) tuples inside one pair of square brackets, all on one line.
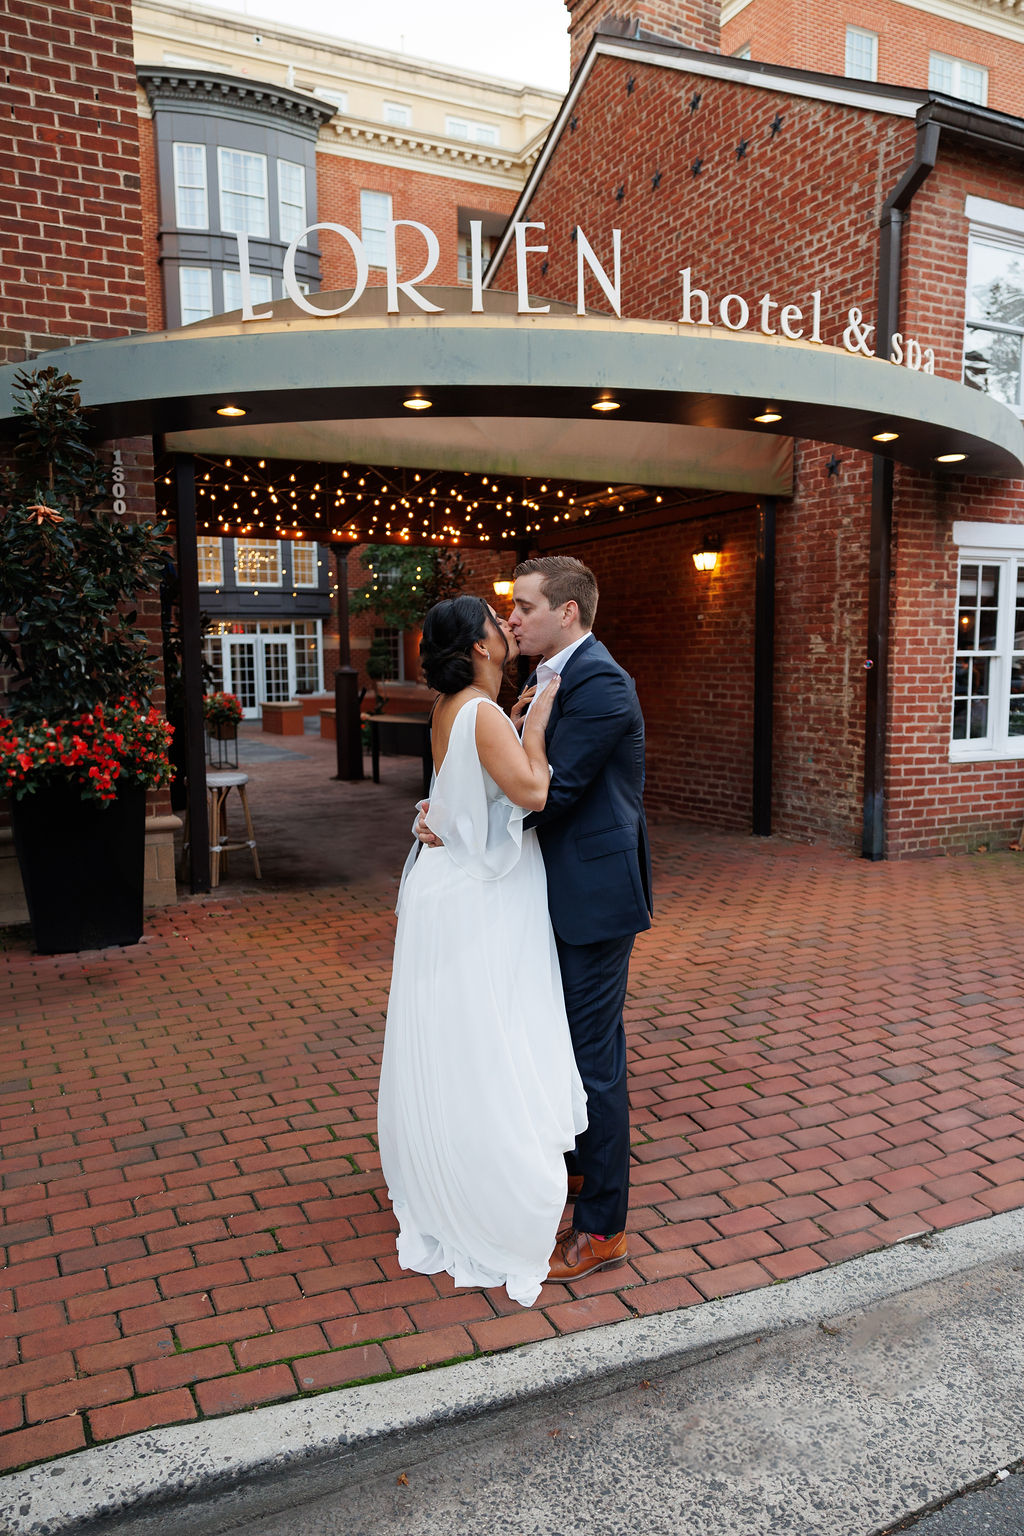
[(423, 832)]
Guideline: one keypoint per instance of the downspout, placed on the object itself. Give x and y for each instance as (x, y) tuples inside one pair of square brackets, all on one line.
[(890, 253)]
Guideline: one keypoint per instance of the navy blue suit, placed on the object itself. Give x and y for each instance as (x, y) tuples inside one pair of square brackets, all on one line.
[(593, 835)]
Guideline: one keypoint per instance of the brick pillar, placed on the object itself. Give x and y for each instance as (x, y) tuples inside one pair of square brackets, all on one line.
[(696, 23)]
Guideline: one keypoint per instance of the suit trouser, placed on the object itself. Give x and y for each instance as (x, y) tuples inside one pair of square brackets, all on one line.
[(594, 980)]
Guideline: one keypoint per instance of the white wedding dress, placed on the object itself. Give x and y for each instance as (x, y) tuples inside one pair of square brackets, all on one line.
[(479, 1092)]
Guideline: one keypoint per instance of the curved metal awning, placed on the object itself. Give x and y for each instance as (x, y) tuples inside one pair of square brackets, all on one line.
[(514, 393)]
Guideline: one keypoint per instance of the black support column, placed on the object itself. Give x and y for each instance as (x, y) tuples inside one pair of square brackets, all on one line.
[(192, 674), (764, 667), (347, 725)]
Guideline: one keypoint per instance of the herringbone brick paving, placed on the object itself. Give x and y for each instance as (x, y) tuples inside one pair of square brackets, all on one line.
[(827, 1056)]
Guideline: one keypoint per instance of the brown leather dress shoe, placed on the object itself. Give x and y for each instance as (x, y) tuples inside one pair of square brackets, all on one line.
[(575, 1185), (580, 1253)]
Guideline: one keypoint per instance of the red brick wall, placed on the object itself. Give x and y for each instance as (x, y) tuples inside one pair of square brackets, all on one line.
[(694, 23), (70, 177), (156, 318), (813, 36), (687, 637), (821, 180), (433, 200)]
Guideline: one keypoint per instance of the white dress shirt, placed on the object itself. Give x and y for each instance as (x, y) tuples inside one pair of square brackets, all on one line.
[(546, 670)]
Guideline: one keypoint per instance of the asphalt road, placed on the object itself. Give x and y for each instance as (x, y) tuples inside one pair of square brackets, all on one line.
[(994, 1511)]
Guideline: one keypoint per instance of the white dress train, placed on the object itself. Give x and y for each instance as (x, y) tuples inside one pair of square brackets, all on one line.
[(479, 1092)]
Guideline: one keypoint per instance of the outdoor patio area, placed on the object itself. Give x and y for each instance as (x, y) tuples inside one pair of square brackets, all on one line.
[(827, 1056)]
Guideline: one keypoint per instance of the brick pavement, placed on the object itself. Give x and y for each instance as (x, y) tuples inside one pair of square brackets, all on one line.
[(826, 1057)]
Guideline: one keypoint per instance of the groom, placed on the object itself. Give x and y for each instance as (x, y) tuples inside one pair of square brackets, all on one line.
[(593, 836)]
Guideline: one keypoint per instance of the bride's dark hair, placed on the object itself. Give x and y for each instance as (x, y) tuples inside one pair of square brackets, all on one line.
[(450, 631)]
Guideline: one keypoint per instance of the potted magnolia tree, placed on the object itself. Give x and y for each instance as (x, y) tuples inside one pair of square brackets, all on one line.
[(80, 742)]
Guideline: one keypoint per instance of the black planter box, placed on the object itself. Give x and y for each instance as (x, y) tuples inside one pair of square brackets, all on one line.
[(82, 866)]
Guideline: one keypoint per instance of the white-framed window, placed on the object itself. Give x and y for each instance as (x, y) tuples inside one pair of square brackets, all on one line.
[(388, 651), (261, 288), (397, 115), (195, 293), (338, 99), (191, 203), (305, 564), (243, 192), (861, 54), (955, 77), (291, 199), (211, 561), (476, 133), (988, 664), (308, 656), (743, 53), (257, 563), (486, 249), (994, 328), (375, 216)]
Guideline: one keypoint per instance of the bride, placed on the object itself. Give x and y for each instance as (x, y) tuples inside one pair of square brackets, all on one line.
[(479, 1092)]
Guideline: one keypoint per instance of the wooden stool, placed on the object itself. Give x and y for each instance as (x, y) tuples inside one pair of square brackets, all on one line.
[(219, 785)]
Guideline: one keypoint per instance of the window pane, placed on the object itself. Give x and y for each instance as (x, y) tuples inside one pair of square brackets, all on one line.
[(195, 290), (375, 214), (861, 54), (973, 84), (307, 658), (995, 290), (243, 192), (940, 73), (209, 551), (291, 192), (257, 563), (1018, 626), (304, 567), (213, 655), (260, 285), (992, 363), (397, 115), (387, 645), (1016, 719), (190, 205)]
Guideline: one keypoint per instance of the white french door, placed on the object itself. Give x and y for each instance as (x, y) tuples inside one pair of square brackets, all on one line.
[(259, 669)]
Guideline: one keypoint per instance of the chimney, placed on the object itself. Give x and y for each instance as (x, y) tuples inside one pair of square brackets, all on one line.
[(695, 23)]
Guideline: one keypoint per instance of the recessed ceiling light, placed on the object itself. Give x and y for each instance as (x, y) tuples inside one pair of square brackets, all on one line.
[(605, 405), (884, 437), (950, 458), (230, 410), (417, 403), (767, 416)]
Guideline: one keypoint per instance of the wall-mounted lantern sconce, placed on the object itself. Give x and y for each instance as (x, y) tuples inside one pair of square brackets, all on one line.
[(502, 589), (705, 558)]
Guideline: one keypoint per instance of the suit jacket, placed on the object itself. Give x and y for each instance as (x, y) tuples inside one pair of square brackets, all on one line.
[(592, 831)]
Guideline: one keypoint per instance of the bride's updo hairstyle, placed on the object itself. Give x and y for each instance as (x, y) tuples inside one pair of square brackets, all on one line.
[(450, 631)]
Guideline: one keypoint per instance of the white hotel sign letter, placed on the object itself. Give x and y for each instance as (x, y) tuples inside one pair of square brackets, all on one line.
[(734, 312)]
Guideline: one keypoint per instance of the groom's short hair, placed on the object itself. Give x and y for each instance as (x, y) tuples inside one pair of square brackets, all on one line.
[(563, 580)]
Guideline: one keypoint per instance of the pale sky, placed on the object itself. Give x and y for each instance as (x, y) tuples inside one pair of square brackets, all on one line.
[(524, 41)]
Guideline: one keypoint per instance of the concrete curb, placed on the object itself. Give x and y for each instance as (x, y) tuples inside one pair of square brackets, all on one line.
[(196, 1461)]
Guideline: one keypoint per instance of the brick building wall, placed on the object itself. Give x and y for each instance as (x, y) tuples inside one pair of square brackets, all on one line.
[(156, 317), (935, 805), (695, 23), (433, 200), (73, 266), (70, 164), (813, 36), (798, 211)]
